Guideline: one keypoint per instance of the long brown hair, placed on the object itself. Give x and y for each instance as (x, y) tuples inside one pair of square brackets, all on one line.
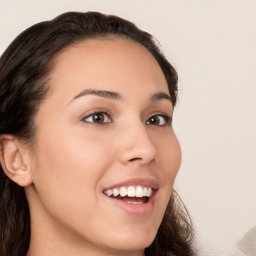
[(24, 68)]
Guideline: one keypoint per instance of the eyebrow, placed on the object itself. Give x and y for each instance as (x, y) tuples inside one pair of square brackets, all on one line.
[(101, 93), (116, 96), (160, 96)]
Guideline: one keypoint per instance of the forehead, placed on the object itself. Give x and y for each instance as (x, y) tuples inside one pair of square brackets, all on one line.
[(112, 64)]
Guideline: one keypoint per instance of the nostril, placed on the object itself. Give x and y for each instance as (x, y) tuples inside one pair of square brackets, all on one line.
[(134, 159), (140, 160)]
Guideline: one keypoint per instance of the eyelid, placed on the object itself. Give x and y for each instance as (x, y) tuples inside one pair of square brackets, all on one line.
[(167, 118), (95, 112), (104, 111)]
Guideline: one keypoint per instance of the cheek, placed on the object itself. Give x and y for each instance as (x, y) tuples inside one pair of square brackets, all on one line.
[(69, 169), (170, 154), (70, 153), (168, 167)]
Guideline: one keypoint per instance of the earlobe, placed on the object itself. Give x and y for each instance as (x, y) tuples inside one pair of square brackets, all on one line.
[(14, 161)]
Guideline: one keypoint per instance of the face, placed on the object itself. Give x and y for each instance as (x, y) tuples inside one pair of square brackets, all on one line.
[(106, 154)]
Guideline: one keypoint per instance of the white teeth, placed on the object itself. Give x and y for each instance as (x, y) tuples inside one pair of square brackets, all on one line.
[(145, 191), (149, 194), (123, 191), (130, 191), (115, 192), (139, 191), (109, 192), (129, 202)]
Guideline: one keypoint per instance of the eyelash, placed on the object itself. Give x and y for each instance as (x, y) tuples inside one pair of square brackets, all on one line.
[(105, 113), (166, 119)]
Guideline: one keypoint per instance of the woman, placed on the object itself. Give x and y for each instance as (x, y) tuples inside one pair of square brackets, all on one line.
[(88, 153)]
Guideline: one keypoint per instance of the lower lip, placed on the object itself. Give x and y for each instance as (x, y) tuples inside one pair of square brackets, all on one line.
[(135, 209)]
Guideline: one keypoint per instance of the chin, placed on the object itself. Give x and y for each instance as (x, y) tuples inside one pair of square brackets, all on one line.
[(132, 241)]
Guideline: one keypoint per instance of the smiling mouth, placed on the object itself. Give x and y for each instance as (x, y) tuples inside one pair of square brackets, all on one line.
[(130, 194)]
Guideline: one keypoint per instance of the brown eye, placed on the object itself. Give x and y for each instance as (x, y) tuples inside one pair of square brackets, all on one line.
[(157, 120), (99, 117)]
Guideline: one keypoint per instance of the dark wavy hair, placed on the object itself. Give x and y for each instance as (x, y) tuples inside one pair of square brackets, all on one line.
[(24, 70)]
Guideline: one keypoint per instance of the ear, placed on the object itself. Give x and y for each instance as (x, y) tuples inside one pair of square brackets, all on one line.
[(14, 160)]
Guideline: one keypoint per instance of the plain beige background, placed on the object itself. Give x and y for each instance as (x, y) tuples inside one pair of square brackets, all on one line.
[(212, 43)]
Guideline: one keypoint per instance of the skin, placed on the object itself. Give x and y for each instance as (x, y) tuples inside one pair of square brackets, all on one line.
[(76, 158)]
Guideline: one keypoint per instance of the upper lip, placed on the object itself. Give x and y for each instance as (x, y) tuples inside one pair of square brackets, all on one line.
[(147, 182)]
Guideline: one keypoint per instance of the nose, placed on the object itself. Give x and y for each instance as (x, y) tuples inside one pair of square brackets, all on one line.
[(137, 146)]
